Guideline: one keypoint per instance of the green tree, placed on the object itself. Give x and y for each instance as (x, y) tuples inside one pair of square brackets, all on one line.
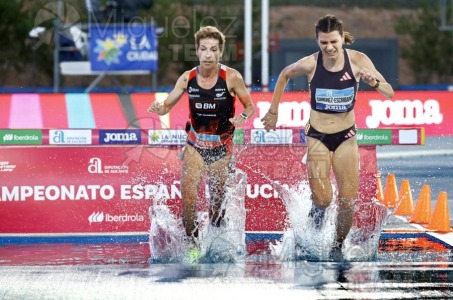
[(27, 60), (429, 50), (178, 20), (14, 28)]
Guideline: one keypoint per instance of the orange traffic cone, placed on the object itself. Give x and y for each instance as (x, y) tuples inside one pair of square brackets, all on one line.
[(422, 211), (406, 205), (391, 192), (440, 221), (379, 190)]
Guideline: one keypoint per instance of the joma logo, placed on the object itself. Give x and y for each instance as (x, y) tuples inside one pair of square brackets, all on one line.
[(403, 112)]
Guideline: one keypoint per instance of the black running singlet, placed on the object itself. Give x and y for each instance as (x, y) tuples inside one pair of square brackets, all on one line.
[(333, 92)]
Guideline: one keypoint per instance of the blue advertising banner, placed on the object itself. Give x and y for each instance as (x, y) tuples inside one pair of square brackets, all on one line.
[(123, 47), (120, 136)]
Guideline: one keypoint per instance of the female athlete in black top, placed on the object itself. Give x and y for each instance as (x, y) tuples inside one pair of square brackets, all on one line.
[(333, 73)]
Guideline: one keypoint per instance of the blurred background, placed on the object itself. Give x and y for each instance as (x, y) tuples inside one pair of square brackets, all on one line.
[(411, 42)]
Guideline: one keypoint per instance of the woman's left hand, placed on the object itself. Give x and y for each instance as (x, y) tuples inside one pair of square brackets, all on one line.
[(367, 77)]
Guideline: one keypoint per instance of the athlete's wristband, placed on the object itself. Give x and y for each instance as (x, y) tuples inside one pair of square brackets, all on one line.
[(243, 115)]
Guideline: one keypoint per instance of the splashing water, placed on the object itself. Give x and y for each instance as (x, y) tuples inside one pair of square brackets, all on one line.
[(303, 241), (227, 242), (166, 234), (362, 242), (168, 241)]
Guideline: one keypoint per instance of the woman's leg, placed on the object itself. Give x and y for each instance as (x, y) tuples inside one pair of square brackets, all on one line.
[(346, 169), (218, 174), (192, 171), (318, 167)]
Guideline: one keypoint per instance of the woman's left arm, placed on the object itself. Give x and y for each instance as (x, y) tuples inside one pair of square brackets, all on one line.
[(370, 75), (237, 87)]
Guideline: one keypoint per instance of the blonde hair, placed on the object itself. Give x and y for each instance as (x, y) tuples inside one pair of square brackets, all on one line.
[(330, 23), (210, 32)]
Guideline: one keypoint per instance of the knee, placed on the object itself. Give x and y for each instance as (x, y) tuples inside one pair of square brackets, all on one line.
[(322, 200), (188, 200), (189, 190), (345, 204)]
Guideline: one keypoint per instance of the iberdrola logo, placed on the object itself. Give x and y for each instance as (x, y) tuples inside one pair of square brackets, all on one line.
[(359, 136), (109, 50)]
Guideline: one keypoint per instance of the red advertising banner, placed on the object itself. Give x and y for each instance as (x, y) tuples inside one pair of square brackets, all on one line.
[(431, 110), (109, 189)]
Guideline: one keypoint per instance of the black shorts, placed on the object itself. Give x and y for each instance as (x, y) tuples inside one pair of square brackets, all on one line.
[(331, 140), (211, 155)]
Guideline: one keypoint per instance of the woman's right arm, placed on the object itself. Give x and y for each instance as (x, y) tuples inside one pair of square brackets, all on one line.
[(162, 108), (301, 67)]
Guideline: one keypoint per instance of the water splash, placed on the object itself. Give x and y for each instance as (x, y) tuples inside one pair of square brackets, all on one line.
[(227, 242), (166, 235), (303, 241), (362, 242), (168, 242)]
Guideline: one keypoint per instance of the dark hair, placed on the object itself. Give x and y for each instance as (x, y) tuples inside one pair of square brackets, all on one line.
[(210, 32), (330, 23)]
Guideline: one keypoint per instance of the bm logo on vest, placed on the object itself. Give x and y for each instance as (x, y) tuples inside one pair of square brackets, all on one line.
[(206, 106)]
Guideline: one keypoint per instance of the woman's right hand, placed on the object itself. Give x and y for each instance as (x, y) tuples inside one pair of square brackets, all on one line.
[(156, 107)]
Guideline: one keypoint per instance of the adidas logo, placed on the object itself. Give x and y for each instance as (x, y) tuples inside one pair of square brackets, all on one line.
[(345, 77)]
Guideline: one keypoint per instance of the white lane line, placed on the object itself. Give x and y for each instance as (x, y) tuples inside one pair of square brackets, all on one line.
[(421, 153)]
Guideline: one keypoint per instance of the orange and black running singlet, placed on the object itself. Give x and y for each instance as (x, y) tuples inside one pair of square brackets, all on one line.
[(210, 109)]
